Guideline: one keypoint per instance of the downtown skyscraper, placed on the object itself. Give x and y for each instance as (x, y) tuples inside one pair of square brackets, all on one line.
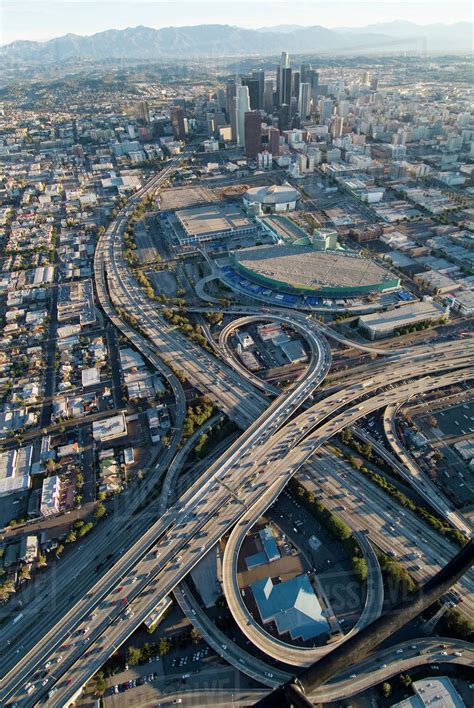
[(242, 107)]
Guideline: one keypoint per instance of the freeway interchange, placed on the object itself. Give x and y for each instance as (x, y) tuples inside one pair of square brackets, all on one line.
[(235, 489)]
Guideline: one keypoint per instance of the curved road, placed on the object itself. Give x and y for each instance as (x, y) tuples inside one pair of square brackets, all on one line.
[(282, 467)]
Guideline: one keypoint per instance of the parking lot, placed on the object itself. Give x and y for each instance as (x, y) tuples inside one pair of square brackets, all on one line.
[(457, 420), (182, 664), (325, 555)]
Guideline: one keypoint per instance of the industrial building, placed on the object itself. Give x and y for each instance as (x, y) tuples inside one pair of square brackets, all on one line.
[(292, 605), (269, 550), (464, 302), (294, 351), (437, 283), (50, 496), (15, 468), (90, 377), (385, 324), (433, 691), (303, 270), (209, 223), (109, 428)]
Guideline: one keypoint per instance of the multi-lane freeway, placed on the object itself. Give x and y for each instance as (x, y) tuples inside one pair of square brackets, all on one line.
[(181, 549), (89, 629)]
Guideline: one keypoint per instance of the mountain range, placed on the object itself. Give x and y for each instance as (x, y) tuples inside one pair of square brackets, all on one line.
[(146, 43)]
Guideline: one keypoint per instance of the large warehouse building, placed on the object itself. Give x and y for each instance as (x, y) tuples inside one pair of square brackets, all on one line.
[(209, 223), (385, 324), (302, 270)]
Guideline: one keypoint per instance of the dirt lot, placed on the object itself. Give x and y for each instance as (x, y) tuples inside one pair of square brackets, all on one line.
[(182, 197)]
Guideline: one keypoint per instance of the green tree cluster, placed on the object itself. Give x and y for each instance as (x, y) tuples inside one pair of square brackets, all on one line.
[(459, 625), (396, 574), (196, 415), (421, 511), (182, 322)]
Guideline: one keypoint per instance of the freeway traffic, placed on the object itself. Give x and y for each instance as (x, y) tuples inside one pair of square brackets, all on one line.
[(220, 516), (100, 621)]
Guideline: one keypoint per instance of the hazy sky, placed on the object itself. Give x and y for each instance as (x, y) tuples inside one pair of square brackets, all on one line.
[(43, 19)]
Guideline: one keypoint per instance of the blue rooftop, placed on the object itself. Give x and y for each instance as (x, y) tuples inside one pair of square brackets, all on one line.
[(269, 544), (292, 605), (255, 559)]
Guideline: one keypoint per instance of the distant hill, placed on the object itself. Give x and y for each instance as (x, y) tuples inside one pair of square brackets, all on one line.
[(145, 43), (438, 37)]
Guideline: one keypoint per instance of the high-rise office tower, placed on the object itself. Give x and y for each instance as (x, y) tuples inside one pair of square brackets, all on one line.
[(337, 126), (374, 83), (293, 106), (284, 64), (177, 122), (326, 110), (304, 100), (305, 74), (274, 140), (284, 117), (253, 86), (243, 107), (285, 86), (295, 84), (314, 81), (233, 119), (278, 86), (230, 93), (221, 100), (214, 122), (343, 108), (268, 96), (259, 75), (365, 78), (252, 133), (142, 112)]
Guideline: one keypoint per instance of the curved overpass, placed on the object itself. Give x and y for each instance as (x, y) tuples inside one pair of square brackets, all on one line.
[(178, 461), (218, 514), (293, 315), (371, 671), (251, 629), (218, 508), (240, 401), (308, 331), (270, 645), (372, 608), (183, 539)]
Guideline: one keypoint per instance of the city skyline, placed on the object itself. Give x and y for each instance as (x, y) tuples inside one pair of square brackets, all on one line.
[(41, 20), (236, 346)]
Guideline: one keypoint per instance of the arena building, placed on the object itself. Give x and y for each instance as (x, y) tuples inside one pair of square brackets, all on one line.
[(271, 199), (303, 270)]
